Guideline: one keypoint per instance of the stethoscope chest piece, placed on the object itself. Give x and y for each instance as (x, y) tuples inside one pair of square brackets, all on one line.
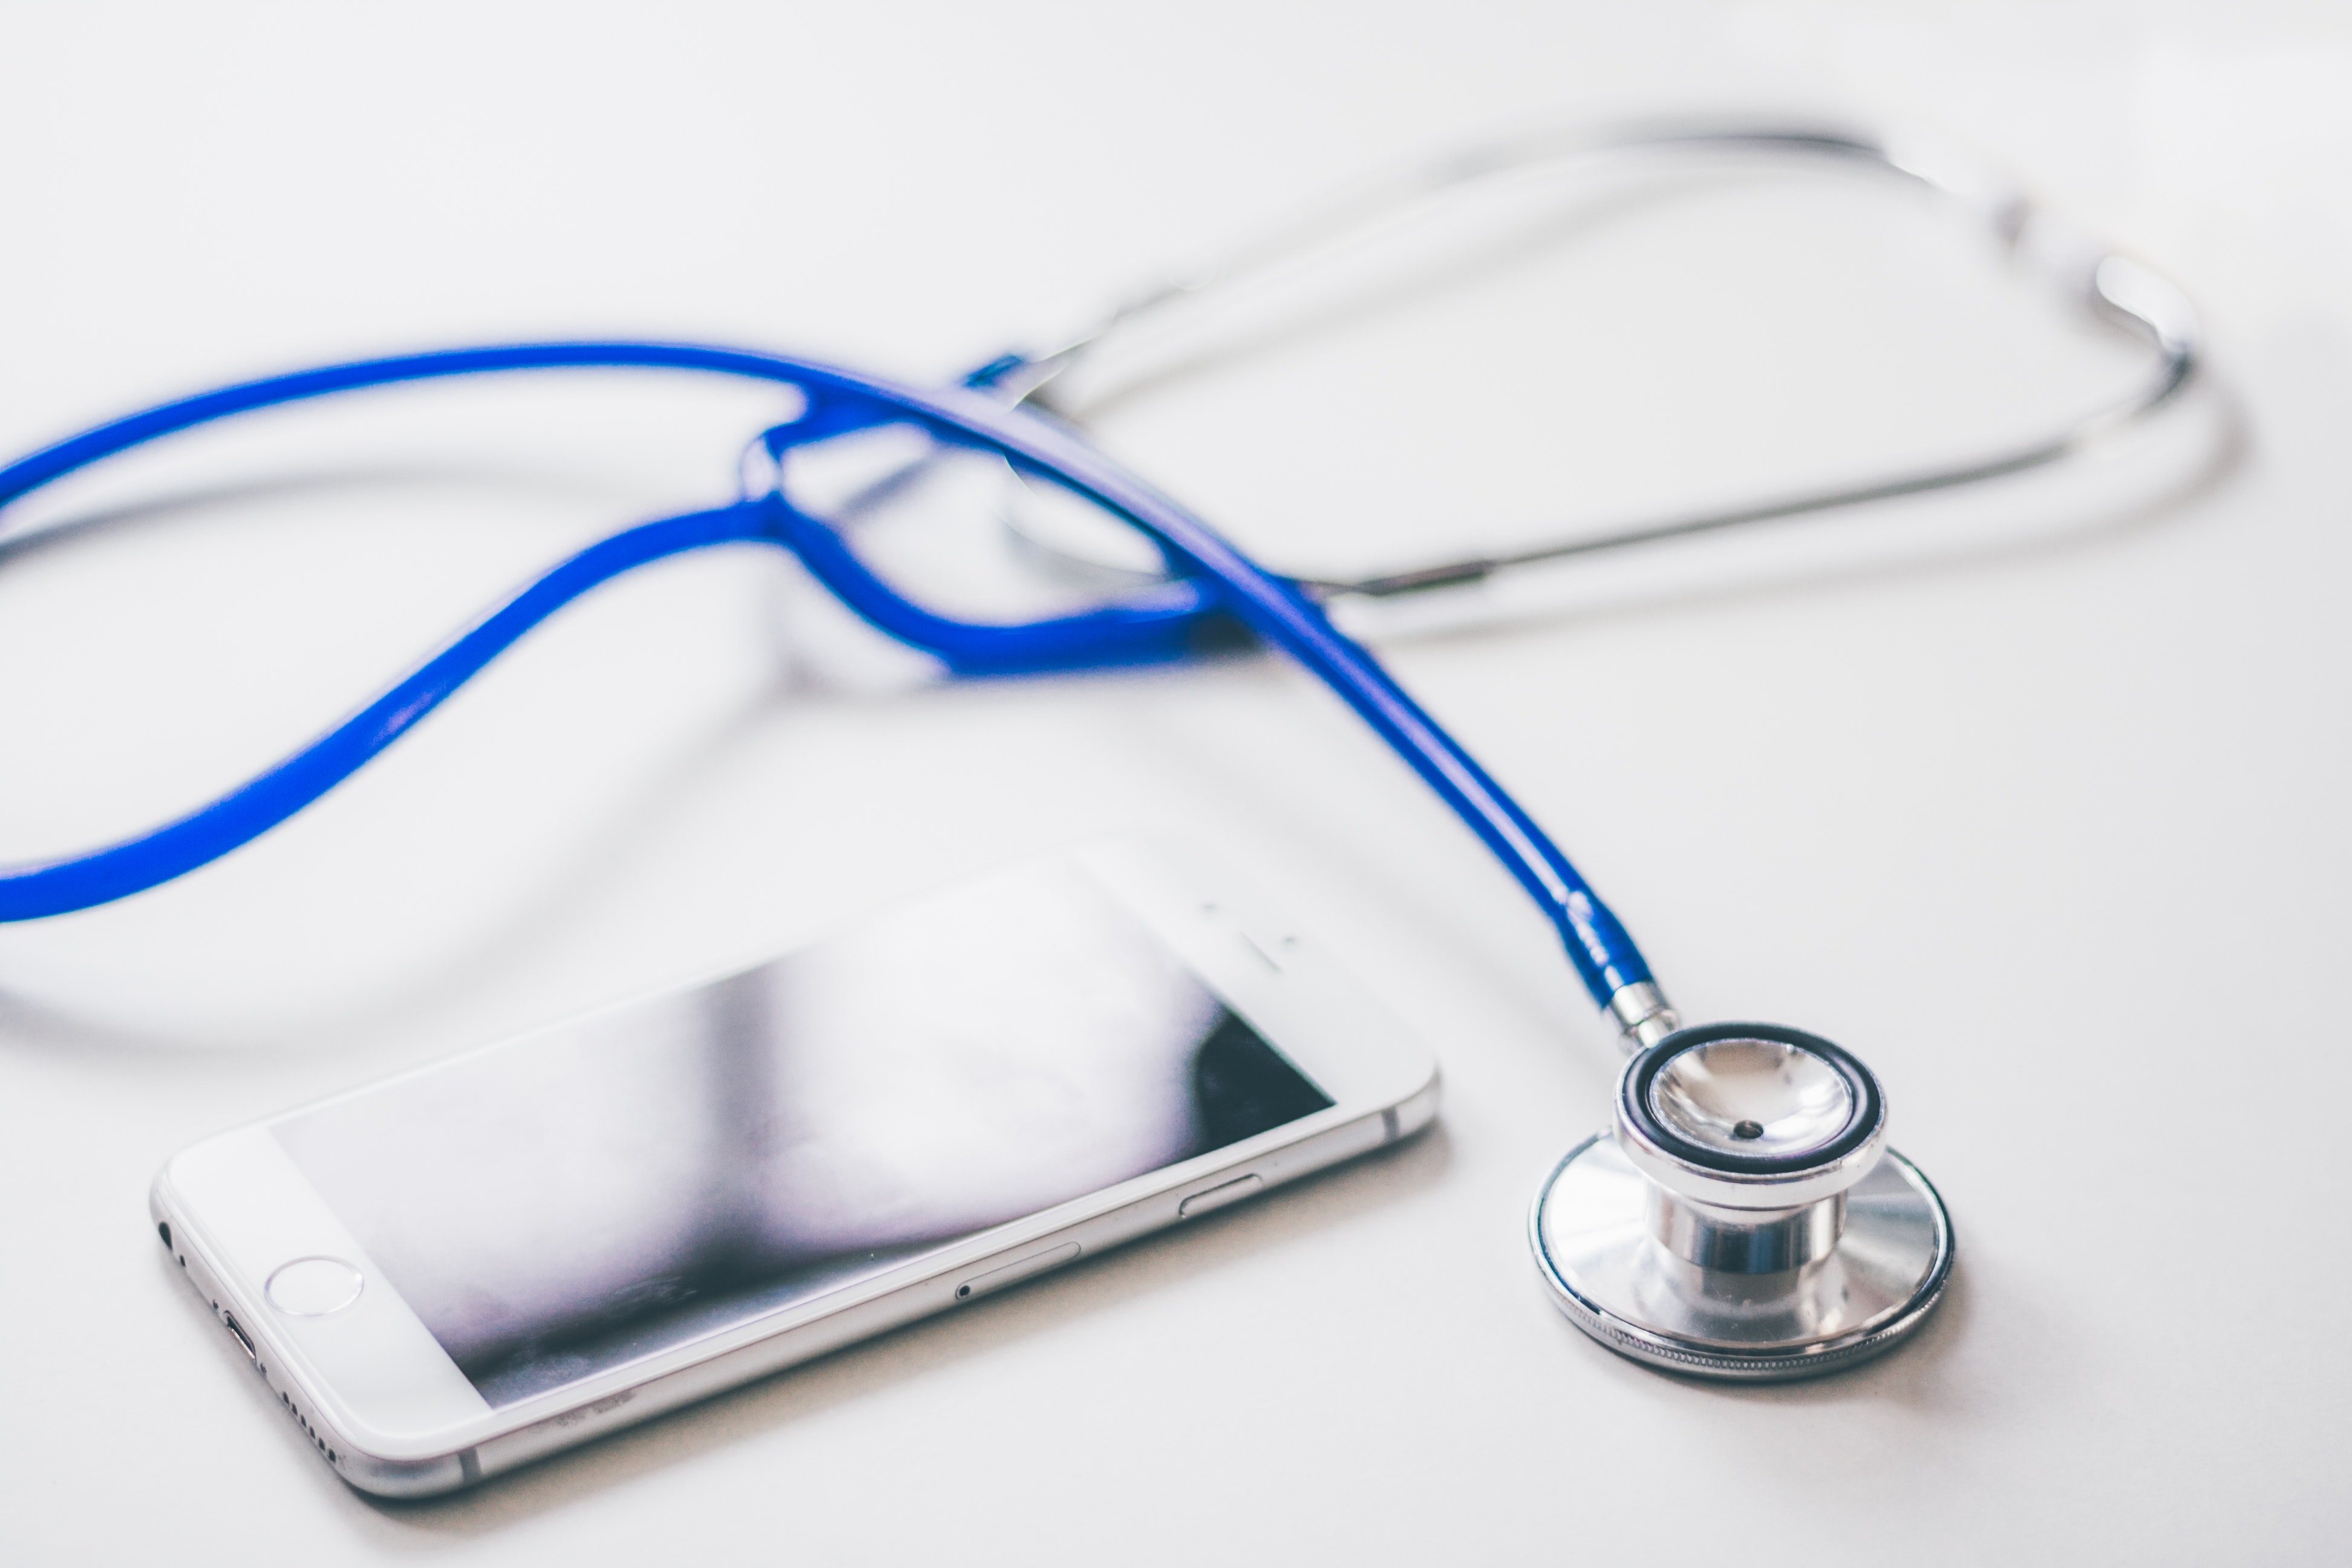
[(1744, 1218)]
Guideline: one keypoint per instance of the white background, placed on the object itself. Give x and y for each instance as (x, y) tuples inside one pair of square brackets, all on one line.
[(2051, 831)]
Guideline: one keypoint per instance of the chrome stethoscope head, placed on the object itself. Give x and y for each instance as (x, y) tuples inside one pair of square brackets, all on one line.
[(1744, 1217)]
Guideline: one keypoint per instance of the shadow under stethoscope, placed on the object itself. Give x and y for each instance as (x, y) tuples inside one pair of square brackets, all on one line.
[(1937, 1378), (1927, 1376)]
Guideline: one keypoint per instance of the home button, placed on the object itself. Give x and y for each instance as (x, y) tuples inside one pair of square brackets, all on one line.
[(314, 1287)]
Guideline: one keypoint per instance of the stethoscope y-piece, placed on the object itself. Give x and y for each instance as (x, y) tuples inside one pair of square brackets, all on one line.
[(1742, 1218)]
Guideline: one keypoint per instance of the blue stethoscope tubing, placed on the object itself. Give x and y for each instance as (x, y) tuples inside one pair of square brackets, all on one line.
[(1212, 580)]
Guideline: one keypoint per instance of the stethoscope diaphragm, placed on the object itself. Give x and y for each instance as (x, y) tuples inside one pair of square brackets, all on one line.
[(1744, 1218)]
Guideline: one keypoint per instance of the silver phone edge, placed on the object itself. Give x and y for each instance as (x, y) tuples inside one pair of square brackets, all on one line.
[(918, 1299)]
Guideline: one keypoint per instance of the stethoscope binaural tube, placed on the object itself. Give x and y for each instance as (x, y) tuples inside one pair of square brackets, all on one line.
[(2110, 290)]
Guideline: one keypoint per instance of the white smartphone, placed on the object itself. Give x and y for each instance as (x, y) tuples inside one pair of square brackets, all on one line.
[(456, 1272)]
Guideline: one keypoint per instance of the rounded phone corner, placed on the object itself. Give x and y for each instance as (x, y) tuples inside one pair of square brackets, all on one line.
[(162, 1191), (1417, 1113), (159, 1205), (407, 1480)]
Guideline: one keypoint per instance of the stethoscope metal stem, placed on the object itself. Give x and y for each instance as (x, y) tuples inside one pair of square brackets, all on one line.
[(1744, 1241), (1642, 1014)]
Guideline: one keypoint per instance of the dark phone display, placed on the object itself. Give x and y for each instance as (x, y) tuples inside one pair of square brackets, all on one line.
[(587, 1197)]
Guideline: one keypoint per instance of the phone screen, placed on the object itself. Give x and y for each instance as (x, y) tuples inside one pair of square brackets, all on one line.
[(587, 1197)]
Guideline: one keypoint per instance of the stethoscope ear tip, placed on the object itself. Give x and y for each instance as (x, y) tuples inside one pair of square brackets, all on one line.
[(1743, 1218)]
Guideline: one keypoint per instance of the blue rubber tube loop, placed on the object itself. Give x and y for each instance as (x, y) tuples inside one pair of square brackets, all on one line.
[(1161, 623), (837, 401), (236, 818), (50, 463)]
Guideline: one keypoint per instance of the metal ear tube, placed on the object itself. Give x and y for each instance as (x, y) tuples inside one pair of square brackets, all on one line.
[(1743, 1217)]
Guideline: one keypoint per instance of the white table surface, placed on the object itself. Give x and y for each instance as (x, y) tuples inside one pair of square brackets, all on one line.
[(2050, 828)]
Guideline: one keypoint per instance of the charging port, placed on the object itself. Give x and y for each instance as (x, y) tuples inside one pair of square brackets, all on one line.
[(242, 1337)]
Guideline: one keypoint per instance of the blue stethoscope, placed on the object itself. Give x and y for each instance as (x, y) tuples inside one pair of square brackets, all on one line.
[(1743, 1217)]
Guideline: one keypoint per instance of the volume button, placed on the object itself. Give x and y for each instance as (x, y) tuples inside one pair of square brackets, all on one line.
[(1219, 1196)]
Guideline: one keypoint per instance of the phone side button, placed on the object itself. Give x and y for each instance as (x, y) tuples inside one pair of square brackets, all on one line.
[(1012, 1273), (1216, 1198)]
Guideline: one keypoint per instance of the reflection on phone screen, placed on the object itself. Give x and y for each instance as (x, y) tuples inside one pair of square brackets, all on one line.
[(591, 1194)]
